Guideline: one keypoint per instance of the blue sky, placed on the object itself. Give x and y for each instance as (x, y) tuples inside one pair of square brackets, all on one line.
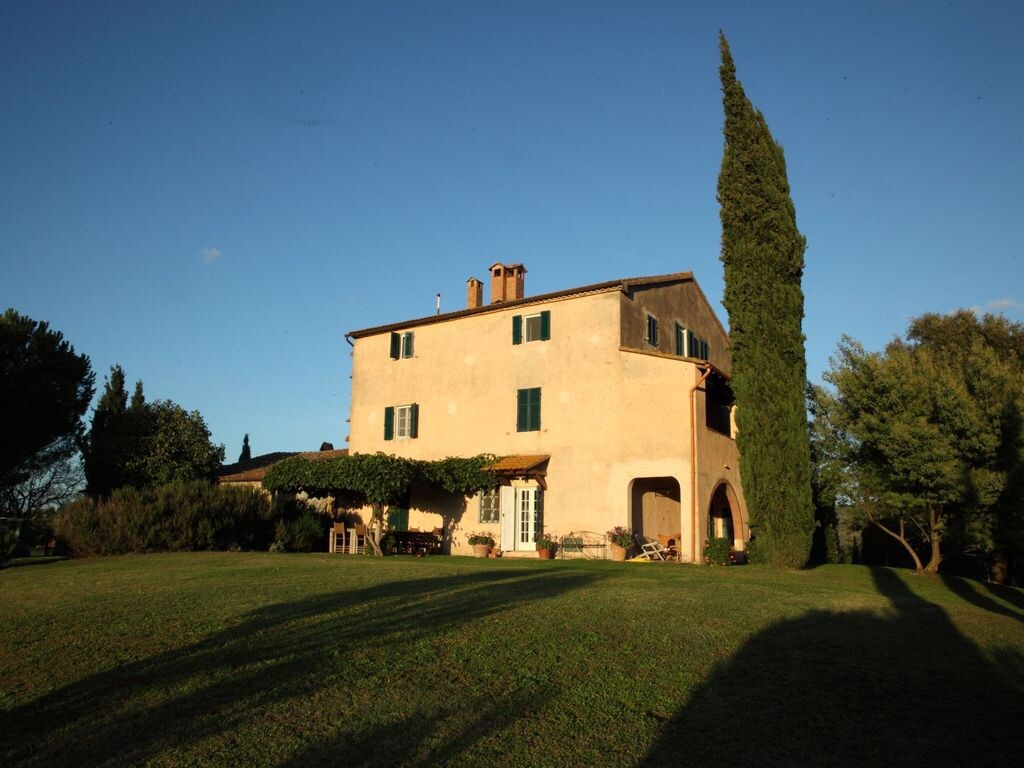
[(211, 194)]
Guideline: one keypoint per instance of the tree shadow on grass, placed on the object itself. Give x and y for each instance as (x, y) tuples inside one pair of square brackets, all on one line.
[(843, 688), (968, 589), (1014, 597), (237, 680)]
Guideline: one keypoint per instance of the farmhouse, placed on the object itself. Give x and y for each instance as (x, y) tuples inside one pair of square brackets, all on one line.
[(609, 404)]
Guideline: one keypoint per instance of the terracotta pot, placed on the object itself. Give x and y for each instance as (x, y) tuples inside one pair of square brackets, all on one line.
[(615, 552), (545, 554), (481, 550)]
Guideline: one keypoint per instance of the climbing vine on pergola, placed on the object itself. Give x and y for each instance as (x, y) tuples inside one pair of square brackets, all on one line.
[(379, 479)]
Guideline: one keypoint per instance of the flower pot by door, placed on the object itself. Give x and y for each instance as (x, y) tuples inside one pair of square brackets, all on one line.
[(481, 550), (615, 552), (545, 554)]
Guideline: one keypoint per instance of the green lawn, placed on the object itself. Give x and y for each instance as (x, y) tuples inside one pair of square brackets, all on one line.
[(306, 660)]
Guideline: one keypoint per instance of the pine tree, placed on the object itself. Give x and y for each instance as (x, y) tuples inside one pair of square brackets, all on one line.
[(762, 252), (246, 454)]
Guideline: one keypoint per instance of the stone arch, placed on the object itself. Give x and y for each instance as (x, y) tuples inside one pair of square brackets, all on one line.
[(724, 518), (654, 507)]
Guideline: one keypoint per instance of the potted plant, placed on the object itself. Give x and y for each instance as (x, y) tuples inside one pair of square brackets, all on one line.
[(620, 541), (546, 545), (481, 543)]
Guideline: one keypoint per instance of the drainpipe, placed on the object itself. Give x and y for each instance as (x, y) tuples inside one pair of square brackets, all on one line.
[(693, 462)]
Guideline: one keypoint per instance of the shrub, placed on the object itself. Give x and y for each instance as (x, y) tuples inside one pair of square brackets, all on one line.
[(304, 533), (480, 538), (756, 554), (718, 552), (177, 516)]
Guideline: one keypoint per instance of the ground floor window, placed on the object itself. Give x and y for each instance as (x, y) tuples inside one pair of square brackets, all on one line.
[(490, 506)]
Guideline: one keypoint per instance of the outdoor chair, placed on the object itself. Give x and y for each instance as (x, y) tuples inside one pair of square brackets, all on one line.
[(652, 550), (670, 544), (337, 539), (358, 543)]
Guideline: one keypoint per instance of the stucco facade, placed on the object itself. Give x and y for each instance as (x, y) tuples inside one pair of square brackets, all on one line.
[(591, 378)]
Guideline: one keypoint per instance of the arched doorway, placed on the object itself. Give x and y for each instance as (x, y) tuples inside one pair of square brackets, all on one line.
[(724, 520), (654, 507)]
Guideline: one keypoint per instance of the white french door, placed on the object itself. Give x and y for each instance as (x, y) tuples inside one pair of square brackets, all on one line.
[(521, 510)]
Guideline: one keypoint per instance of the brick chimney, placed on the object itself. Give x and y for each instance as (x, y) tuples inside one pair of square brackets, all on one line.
[(508, 282), (474, 293)]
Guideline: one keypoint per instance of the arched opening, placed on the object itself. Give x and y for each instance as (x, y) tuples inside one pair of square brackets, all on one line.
[(654, 508), (724, 520)]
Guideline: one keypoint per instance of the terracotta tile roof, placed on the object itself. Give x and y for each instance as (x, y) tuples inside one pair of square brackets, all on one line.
[(611, 285), (516, 463), (254, 470)]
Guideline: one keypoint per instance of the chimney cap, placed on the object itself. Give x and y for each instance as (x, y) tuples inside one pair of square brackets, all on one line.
[(518, 266)]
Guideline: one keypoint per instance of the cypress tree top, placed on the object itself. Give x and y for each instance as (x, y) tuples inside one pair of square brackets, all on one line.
[(762, 254)]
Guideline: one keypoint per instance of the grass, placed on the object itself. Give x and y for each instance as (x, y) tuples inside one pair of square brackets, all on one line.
[(307, 660)]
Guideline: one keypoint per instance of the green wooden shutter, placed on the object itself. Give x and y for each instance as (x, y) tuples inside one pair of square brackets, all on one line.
[(535, 409), (396, 346), (680, 336), (691, 344), (407, 342), (522, 410), (389, 423), (414, 420), (545, 325), (517, 329)]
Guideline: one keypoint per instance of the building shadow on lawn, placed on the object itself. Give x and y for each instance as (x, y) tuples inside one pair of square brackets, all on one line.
[(283, 653), (850, 688)]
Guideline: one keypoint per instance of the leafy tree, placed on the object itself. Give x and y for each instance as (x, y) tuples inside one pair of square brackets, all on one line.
[(762, 252), (246, 453), (176, 447), (144, 444), (45, 389), (928, 436)]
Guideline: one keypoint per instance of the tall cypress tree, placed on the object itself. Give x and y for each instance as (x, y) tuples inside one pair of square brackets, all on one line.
[(763, 256), (103, 452), (246, 453)]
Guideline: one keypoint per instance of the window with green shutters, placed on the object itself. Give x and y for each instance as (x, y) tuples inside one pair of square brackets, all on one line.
[(401, 421), (697, 347), (528, 410), (531, 327), (680, 340), (652, 330), (401, 345)]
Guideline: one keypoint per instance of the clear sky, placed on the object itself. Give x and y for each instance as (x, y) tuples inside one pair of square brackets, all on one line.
[(211, 194)]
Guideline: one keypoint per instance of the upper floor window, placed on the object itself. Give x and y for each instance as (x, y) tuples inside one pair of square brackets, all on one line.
[(531, 327), (401, 345), (652, 330), (697, 347), (528, 410), (680, 340), (401, 421)]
